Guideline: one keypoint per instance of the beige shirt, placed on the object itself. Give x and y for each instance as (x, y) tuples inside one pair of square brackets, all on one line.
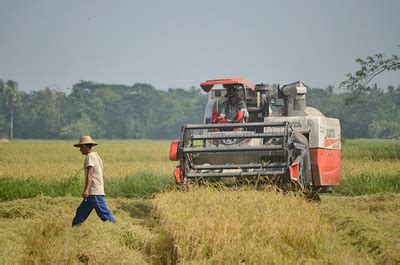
[(94, 160)]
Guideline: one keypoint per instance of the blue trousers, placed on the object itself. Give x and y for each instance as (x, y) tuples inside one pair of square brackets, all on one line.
[(93, 201)]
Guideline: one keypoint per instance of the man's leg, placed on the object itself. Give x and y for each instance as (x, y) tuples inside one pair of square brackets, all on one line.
[(82, 212), (102, 211)]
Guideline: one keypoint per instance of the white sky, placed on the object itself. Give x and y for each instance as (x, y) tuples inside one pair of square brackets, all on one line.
[(182, 43)]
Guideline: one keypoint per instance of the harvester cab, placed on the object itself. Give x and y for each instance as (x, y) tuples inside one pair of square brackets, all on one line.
[(280, 140)]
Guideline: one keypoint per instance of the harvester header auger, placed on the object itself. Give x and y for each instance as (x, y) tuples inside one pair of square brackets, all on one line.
[(279, 138)]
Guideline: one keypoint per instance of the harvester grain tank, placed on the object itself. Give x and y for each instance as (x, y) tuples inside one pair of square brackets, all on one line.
[(281, 139)]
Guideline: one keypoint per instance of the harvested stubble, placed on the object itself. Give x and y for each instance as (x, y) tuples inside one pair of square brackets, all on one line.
[(38, 231), (255, 227), (370, 223)]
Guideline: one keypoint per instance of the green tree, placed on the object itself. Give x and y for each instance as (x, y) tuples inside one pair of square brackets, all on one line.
[(370, 67), (41, 114), (384, 129), (76, 128)]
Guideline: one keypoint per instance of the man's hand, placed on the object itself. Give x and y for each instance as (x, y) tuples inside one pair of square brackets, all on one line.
[(85, 193), (221, 116)]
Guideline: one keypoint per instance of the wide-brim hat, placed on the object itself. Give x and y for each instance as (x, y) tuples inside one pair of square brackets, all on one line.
[(85, 139)]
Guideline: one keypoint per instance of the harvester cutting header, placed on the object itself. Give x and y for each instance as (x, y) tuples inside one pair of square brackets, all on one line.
[(257, 131)]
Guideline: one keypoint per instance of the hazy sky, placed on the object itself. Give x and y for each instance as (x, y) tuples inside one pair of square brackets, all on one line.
[(181, 43)]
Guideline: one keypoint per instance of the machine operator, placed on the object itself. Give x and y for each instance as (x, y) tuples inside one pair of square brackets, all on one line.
[(234, 109)]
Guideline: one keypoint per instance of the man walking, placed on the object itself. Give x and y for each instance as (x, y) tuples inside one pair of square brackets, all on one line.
[(93, 193)]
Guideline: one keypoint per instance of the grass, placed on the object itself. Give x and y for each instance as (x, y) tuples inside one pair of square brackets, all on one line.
[(141, 185), (11, 189), (366, 184), (370, 167)]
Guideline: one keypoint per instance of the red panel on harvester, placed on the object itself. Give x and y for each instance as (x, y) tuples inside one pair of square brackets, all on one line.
[(325, 164), (173, 151)]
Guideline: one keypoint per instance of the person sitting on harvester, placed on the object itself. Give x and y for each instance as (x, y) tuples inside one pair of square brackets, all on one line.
[(234, 109)]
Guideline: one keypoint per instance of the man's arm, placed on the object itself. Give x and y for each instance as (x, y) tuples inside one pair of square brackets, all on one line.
[(222, 112), (241, 114), (88, 181)]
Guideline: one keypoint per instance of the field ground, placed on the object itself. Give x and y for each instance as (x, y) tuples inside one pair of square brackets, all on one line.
[(40, 183)]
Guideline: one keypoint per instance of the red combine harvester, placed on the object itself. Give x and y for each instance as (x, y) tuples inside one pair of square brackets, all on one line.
[(279, 138)]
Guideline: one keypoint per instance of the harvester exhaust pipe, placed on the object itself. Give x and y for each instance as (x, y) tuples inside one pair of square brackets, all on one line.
[(295, 96)]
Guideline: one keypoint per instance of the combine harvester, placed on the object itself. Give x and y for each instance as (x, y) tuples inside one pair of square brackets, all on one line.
[(281, 141)]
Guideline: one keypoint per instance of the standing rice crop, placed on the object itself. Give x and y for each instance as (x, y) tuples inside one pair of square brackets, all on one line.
[(250, 226)]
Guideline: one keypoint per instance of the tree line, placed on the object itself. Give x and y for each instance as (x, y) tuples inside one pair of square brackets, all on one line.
[(374, 113), (102, 110), (142, 111)]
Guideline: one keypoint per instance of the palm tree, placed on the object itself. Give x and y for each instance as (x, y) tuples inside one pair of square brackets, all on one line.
[(11, 91), (2, 101)]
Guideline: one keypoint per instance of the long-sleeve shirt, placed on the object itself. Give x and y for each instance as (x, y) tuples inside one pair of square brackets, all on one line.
[(230, 109)]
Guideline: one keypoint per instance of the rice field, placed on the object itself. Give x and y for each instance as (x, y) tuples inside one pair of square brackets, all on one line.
[(370, 167), (54, 168), (41, 181), (57, 160)]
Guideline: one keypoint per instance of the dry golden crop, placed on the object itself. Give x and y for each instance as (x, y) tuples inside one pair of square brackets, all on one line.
[(252, 227), (355, 167), (55, 160)]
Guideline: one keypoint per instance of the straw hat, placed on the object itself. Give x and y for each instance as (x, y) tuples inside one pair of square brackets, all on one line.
[(85, 139)]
